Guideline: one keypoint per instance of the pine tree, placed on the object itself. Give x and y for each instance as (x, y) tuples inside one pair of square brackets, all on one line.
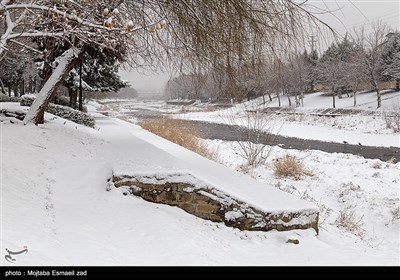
[(390, 59), (312, 62), (99, 68), (342, 67)]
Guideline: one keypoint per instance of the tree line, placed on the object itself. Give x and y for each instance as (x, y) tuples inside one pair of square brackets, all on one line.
[(360, 61)]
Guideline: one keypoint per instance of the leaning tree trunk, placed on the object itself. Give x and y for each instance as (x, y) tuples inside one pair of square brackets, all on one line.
[(36, 112)]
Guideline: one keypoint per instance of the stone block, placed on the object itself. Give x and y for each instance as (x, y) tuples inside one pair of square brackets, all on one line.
[(184, 197), (161, 197), (148, 196), (188, 207), (207, 208), (201, 199), (170, 196), (216, 218)]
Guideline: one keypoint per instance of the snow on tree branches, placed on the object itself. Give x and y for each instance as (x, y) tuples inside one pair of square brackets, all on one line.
[(182, 33)]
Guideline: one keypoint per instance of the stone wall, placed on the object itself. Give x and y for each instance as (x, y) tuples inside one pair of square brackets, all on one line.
[(211, 204)]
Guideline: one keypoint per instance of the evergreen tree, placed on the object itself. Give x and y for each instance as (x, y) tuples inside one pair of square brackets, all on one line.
[(390, 58), (312, 61), (342, 67), (99, 68)]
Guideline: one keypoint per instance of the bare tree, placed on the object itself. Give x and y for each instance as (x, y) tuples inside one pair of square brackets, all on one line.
[(373, 46), (296, 74), (275, 78)]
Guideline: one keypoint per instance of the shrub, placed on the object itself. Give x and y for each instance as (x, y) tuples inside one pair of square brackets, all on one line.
[(6, 98), (257, 131), (178, 132), (290, 166), (62, 112)]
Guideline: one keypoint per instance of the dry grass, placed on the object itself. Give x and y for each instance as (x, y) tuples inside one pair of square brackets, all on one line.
[(125, 118), (348, 220), (290, 166), (181, 133)]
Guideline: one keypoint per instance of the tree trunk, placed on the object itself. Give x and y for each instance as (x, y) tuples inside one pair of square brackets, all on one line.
[(22, 87), (9, 89), (3, 90), (36, 112), (270, 97), (288, 97), (397, 85), (30, 85), (334, 100), (15, 89), (302, 99), (378, 98), (355, 99), (73, 97), (279, 99), (80, 88), (263, 96)]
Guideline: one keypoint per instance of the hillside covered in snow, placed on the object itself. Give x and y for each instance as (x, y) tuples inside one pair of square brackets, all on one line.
[(55, 202)]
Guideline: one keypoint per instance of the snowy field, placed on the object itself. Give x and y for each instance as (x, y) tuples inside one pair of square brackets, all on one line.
[(341, 183), (54, 201)]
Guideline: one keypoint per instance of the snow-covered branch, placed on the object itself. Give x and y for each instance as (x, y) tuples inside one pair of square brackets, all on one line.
[(54, 10), (25, 46)]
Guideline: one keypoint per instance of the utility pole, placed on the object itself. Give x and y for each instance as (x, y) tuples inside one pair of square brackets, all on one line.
[(313, 41), (313, 82)]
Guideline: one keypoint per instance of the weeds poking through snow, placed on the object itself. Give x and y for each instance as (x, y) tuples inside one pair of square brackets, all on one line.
[(348, 220), (395, 214), (376, 165), (392, 119)]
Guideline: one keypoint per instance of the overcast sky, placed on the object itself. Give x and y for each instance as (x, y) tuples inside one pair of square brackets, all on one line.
[(346, 16)]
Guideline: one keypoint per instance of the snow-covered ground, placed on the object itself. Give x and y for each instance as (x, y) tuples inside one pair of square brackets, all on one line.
[(368, 189), (54, 201)]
